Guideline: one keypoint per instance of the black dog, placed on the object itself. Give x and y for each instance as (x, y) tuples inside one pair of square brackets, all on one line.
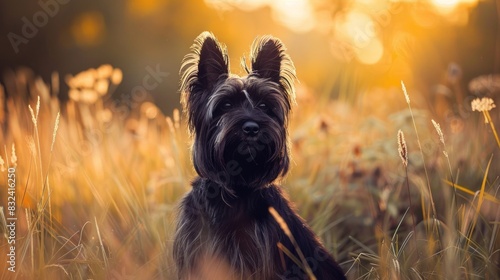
[(239, 125)]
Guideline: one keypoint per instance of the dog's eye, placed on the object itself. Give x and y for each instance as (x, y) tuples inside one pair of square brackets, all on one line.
[(223, 107), (263, 106)]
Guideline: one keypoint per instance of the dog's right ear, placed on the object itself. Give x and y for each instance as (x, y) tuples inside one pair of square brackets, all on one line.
[(201, 70), (213, 64), (205, 65)]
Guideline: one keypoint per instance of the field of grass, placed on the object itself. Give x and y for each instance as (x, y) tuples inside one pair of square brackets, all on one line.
[(97, 182)]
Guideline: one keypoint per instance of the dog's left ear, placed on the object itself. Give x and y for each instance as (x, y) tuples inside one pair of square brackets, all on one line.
[(270, 61)]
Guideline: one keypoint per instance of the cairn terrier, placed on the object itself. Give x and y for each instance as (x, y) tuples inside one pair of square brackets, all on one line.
[(239, 124)]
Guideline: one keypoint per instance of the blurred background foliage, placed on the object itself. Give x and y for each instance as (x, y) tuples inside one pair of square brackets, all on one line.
[(116, 174), (340, 48)]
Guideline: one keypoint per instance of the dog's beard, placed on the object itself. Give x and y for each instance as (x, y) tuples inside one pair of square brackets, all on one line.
[(236, 160)]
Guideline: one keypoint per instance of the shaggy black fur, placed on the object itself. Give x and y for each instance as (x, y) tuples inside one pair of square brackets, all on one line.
[(240, 150)]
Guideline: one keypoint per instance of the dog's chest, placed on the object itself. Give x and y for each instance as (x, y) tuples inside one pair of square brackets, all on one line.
[(245, 234), (242, 221)]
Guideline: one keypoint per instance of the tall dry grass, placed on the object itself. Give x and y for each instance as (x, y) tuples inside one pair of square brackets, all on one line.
[(98, 183)]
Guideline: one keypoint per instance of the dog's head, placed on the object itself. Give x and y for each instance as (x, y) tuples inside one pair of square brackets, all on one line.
[(239, 124)]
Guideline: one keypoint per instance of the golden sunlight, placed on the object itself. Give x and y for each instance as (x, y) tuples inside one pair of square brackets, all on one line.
[(447, 4), (450, 7), (142, 8), (371, 53), (112, 139), (359, 31), (297, 15)]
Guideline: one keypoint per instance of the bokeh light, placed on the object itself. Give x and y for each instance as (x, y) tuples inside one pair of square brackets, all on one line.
[(88, 29), (380, 42), (100, 188), (297, 15), (447, 5), (359, 32), (371, 53)]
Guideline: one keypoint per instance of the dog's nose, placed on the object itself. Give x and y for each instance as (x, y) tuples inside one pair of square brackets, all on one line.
[(250, 128)]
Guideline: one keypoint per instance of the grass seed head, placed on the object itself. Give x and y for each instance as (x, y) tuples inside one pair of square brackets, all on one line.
[(402, 149), (439, 132), (37, 107), (407, 97), (56, 126), (34, 116), (13, 156), (482, 104)]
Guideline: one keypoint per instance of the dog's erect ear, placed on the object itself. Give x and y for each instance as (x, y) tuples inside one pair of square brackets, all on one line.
[(213, 63), (269, 61), (204, 67)]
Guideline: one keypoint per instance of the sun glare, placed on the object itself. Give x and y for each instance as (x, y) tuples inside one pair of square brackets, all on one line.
[(452, 3), (297, 15), (359, 28), (445, 3), (360, 33), (371, 53), (448, 7)]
